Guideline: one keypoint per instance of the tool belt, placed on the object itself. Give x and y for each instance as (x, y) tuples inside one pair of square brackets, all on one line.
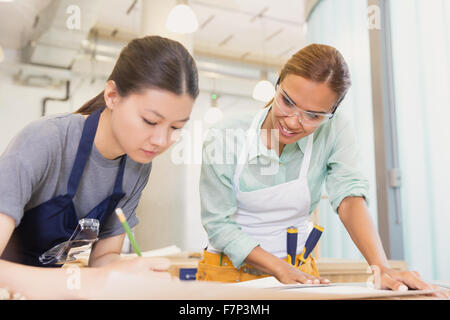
[(218, 267)]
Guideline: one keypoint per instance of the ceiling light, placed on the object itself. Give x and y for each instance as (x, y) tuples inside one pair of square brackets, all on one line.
[(182, 19), (213, 114), (264, 90)]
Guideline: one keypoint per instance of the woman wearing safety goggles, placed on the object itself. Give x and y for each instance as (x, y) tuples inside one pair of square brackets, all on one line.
[(273, 182)]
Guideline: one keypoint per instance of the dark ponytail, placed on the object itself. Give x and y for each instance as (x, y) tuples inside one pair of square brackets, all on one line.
[(150, 62)]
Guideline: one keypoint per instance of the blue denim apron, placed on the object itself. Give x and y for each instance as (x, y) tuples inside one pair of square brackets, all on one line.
[(54, 221)]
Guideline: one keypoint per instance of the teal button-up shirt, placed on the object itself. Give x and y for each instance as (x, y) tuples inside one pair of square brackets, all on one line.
[(334, 161)]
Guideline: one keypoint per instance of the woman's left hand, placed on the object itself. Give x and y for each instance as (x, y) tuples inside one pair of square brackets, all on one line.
[(403, 280)]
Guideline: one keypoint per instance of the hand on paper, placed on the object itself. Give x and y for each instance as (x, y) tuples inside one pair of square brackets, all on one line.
[(280, 269), (288, 274), (405, 280)]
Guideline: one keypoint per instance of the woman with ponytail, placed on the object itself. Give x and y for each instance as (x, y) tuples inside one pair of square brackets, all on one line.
[(64, 168)]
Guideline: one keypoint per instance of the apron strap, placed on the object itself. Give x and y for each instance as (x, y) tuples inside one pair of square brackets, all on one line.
[(306, 158), (243, 156), (251, 133), (83, 152)]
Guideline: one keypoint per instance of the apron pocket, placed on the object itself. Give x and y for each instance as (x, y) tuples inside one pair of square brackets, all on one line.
[(310, 267), (208, 272)]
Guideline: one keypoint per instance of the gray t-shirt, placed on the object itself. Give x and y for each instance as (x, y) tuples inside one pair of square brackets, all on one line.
[(37, 163)]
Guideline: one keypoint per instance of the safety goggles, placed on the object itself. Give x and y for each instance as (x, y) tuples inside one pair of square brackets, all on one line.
[(85, 234), (288, 108)]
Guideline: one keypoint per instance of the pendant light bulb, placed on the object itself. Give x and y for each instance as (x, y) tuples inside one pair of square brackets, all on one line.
[(182, 19)]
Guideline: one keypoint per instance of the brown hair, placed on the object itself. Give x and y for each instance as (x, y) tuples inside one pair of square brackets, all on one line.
[(320, 63), (150, 62)]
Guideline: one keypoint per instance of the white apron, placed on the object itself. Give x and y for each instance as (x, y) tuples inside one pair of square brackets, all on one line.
[(265, 214)]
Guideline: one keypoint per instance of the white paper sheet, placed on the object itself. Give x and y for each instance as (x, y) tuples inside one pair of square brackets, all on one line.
[(334, 289), (270, 283)]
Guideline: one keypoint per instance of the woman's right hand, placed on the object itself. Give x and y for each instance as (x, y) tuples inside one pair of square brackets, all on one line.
[(280, 269), (288, 274)]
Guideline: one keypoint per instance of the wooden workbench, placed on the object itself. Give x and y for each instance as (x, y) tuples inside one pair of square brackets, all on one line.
[(336, 270)]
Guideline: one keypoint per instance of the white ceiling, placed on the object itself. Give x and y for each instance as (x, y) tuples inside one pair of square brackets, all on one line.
[(251, 30), (261, 31)]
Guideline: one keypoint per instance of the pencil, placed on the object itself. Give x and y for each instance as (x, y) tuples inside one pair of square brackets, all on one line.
[(125, 225)]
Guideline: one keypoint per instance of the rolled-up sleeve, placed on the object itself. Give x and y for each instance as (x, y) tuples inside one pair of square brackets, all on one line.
[(218, 201), (344, 177)]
